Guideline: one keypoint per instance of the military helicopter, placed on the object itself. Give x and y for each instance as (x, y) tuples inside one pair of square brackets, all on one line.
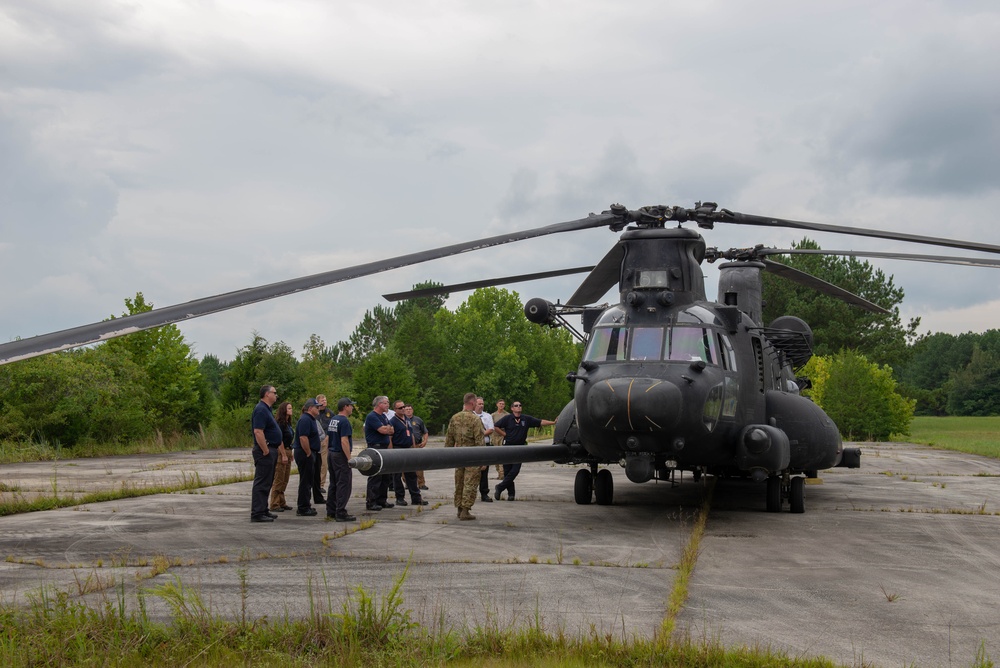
[(669, 381)]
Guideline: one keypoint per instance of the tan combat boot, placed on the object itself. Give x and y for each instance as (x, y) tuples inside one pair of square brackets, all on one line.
[(464, 514)]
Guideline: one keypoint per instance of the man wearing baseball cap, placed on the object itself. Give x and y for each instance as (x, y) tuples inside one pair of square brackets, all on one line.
[(340, 445), (306, 443)]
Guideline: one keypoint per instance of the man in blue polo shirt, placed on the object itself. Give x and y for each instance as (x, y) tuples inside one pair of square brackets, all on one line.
[(307, 442), (266, 439), (378, 433)]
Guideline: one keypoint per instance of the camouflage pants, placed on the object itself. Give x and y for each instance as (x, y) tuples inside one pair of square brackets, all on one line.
[(466, 486)]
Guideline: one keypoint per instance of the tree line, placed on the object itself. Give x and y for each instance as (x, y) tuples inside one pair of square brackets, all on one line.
[(134, 386)]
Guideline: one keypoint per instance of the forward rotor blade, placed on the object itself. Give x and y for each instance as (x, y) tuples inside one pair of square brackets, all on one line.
[(940, 259), (761, 221), (820, 285), (109, 329), (601, 279), (485, 283)]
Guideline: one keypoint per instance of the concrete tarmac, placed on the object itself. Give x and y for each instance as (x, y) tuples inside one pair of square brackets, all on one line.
[(897, 563)]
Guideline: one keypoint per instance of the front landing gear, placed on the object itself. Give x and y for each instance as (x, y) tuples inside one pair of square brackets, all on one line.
[(594, 484), (784, 487)]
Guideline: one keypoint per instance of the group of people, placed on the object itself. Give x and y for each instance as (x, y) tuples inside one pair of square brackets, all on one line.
[(321, 442)]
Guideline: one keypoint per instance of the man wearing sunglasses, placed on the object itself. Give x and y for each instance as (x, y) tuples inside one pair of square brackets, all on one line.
[(513, 429)]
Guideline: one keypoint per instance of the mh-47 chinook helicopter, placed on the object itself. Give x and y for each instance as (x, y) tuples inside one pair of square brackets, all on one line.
[(668, 381)]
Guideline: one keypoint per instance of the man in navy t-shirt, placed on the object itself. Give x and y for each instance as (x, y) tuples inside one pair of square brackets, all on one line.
[(340, 445), (266, 439), (513, 429), (378, 432), (402, 437), (307, 442)]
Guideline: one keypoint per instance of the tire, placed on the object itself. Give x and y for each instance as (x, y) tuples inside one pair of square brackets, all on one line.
[(604, 487), (583, 487), (796, 496), (774, 494)]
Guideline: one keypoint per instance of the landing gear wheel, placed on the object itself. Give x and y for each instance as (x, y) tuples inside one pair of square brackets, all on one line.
[(604, 487), (774, 494), (583, 487), (796, 495)]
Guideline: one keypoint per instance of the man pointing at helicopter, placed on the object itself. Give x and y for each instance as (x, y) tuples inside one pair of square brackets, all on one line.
[(513, 429)]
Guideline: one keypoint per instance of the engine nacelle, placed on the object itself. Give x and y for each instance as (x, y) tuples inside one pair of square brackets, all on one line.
[(540, 311)]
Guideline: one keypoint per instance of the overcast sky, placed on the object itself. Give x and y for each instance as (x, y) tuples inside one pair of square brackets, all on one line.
[(184, 149)]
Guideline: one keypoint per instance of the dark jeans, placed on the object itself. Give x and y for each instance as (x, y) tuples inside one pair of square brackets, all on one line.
[(341, 483), (306, 478), (263, 477), (510, 472), (484, 483)]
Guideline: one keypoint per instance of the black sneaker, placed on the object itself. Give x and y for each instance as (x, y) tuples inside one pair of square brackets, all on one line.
[(401, 502), (345, 518), (388, 505), (496, 492), (421, 502), (487, 498), (262, 518), (308, 512), (374, 508), (271, 515)]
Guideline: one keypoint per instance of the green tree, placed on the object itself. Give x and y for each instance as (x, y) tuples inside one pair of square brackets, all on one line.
[(975, 389), (74, 396), (178, 398), (859, 396), (835, 324), (387, 373), (319, 373), (259, 363)]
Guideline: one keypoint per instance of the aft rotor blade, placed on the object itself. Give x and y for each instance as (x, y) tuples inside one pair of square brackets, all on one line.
[(940, 259), (485, 283), (601, 279), (109, 329), (820, 285), (762, 221)]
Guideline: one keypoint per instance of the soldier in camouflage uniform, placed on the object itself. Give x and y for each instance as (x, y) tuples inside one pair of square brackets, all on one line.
[(465, 430)]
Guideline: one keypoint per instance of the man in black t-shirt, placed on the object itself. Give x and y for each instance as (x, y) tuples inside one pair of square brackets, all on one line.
[(266, 439), (513, 429), (340, 445)]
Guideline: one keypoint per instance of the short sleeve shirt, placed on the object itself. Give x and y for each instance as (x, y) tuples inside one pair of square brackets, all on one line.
[(372, 422), (419, 429), (340, 427), (263, 418), (517, 428), (487, 420), (308, 427), (402, 434)]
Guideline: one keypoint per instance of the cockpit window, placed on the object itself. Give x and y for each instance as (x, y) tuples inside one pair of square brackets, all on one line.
[(651, 278), (607, 344), (690, 344), (647, 343)]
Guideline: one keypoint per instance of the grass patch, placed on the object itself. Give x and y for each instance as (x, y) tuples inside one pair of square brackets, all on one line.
[(689, 558), (975, 435), (366, 630), (23, 505)]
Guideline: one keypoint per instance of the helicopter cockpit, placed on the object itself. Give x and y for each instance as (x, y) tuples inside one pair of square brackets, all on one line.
[(690, 334)]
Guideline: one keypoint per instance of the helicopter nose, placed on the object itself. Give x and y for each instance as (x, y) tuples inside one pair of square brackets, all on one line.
[(635, 404)]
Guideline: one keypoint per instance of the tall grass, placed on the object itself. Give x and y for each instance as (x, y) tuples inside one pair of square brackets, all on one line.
[(368, 630), (213, 438), (975, 435)]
